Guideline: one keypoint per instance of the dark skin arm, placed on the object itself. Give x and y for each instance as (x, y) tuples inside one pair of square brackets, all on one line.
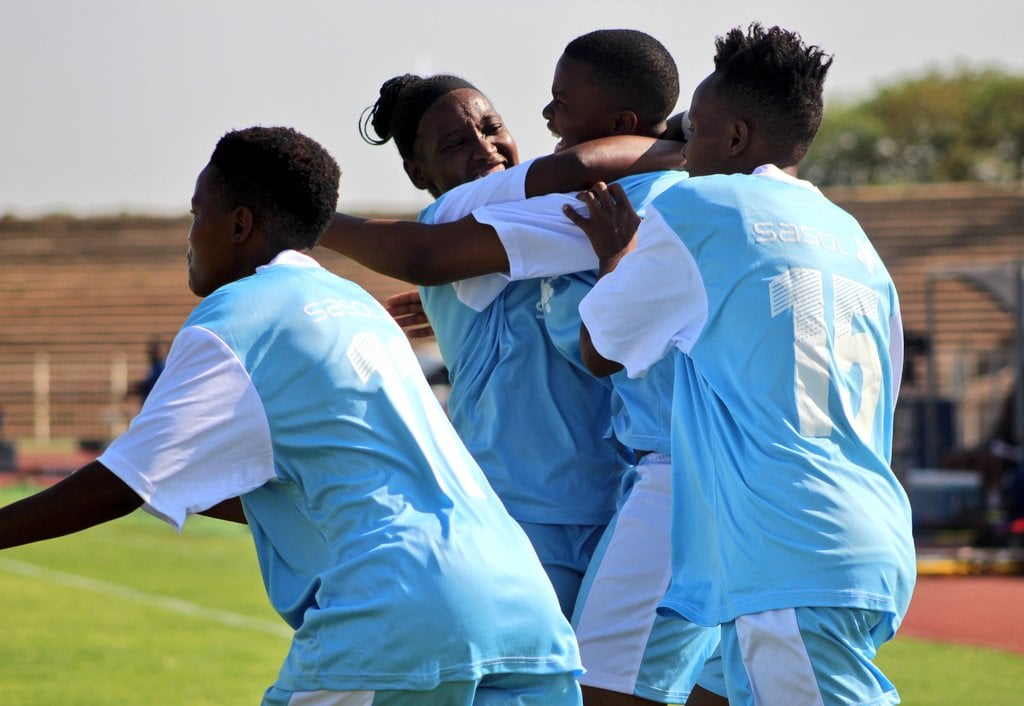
[(89, 497), (604, 159), (419, 253), (611, 229), (676, 127), (229, 510), (438, 254)]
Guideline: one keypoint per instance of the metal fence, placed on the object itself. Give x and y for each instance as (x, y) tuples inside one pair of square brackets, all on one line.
[(87, 397), (53, 396)]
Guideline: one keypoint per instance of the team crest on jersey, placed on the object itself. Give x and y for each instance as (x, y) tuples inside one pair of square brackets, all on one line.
[(546, 292)]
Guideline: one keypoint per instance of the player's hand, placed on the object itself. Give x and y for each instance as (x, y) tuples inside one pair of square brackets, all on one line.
[(611, 226), (407, 309)]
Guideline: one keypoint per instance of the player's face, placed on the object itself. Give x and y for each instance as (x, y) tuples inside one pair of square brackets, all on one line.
[(211, 259), (709, 141), (579, 110), (460, 138)]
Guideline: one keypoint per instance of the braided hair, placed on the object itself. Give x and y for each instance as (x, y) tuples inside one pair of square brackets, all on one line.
[(401, 105)]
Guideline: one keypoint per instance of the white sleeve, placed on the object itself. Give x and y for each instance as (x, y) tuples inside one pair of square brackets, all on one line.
[(653, 300), (538, 237), (202, 435), (506, 185), (896, 351)]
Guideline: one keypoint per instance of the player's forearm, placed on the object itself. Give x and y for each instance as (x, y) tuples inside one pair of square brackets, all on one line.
[(375, 243), (91, 496), (604, 159), (416, 252)]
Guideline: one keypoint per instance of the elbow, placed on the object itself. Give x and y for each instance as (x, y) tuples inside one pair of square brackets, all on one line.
[(597, 364), (600, 366)]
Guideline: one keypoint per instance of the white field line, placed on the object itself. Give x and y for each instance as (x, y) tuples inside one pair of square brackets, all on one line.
[(174, 605)]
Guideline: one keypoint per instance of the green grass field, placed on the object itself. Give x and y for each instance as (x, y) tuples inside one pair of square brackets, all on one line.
[(132, 613)]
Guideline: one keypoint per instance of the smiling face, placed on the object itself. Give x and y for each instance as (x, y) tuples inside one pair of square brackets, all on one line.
[(460, 138), (579, 109), (212, 260)]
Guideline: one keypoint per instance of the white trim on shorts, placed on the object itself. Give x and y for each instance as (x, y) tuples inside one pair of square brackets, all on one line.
[(776, 659), (625, 645), (332, 698), (616, 609)]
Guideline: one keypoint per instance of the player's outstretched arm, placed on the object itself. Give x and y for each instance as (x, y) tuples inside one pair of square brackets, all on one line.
[(416, 252), (604, 159), (447, 252), (90, 496)]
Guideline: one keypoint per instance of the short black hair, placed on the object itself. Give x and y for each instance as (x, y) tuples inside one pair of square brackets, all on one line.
[(402, 102), (287, 180), (777, 80), (635, 67)]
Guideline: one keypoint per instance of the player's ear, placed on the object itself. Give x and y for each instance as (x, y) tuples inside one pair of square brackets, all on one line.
[(739, 137), (242, 224), (416, 175), (626, 122)]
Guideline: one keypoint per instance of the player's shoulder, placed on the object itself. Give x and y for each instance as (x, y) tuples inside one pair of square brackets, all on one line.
[(644, 180), (733, 190)]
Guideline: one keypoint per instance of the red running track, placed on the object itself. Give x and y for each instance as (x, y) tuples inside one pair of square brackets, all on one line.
[(983, 611)]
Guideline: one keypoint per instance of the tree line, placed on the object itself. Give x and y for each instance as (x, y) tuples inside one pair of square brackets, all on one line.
[(965, 124)]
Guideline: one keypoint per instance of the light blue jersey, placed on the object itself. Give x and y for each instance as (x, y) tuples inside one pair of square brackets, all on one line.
[(531, 418), (541, 242), (642, 407), (380, 541), (789, 352)]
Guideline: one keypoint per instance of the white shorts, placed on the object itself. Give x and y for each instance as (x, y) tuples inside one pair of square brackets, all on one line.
[(802, 657), (625, 645)]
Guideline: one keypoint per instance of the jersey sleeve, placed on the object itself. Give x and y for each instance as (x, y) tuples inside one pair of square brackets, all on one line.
[(539, 239), (896, 351), (202, 435), (652, 301), (506, 185)]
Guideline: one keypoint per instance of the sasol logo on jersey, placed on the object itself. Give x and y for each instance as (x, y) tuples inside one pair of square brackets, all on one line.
[(334, 308), (794, 233), (767, 232)]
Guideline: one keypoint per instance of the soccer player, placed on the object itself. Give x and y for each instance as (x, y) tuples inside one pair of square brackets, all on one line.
[(607, 82), (533, 418), (792, 531), (292, 401)]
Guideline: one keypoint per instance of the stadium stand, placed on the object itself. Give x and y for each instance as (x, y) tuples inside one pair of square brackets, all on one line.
[(82, 297)]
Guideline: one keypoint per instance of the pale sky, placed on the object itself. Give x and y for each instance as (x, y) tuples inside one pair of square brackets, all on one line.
[(115, 105)]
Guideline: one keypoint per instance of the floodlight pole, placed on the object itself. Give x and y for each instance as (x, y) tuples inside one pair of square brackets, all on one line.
[(931, 411), (1018, 358)]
